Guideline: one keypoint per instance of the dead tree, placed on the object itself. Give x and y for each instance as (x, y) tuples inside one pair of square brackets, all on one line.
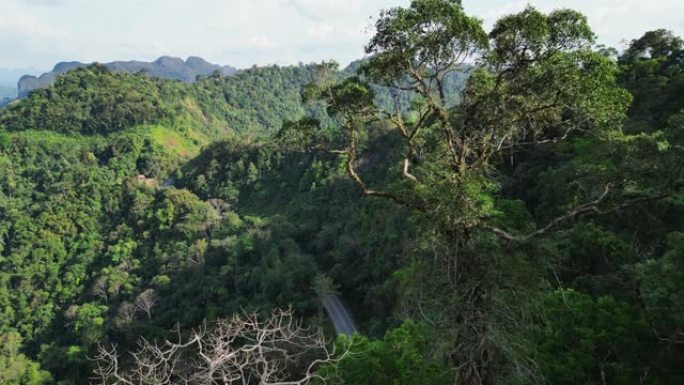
[(125, 314), (146, 300), (101, 288), (241, 350)]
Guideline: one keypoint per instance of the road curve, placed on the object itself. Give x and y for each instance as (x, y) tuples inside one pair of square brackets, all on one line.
[(340, 315)]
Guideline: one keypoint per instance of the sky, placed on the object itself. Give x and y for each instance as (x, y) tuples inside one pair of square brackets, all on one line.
[(36, 34)]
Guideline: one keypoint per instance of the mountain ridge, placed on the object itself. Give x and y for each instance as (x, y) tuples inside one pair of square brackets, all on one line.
[(167, 67)]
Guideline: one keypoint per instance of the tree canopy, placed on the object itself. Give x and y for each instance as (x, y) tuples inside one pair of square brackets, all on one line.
[(494, 207)]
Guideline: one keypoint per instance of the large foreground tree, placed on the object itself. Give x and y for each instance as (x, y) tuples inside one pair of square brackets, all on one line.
[(535, 79)]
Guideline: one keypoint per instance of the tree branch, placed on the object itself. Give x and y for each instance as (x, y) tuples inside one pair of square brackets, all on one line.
[(586, 208), (277, 351), (351, 161)]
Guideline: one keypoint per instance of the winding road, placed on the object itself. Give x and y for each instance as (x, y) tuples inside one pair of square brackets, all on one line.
[(340, 315)]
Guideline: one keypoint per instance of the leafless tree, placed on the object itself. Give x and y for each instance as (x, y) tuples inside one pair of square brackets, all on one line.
[(146, 300), (241, 350), (100, 288), (70, 314), (125, 314)]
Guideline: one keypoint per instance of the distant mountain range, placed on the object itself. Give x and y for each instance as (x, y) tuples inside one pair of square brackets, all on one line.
[(165, 67)]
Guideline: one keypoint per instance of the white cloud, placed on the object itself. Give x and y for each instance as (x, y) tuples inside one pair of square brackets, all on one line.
[(322, 9), (24, 26), (259, 42), (23, 37), (320, 31), (50, 3), (323, 32)]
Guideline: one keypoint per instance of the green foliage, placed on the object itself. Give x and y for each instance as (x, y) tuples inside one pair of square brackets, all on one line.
[(429, 31), (16, 368), (89, 322), (581, 340), (130, 205), (95, 100), (612, 260), (653, 71), (403, 357), (89, 101), (255, 101), (662, 290), (537, 80)]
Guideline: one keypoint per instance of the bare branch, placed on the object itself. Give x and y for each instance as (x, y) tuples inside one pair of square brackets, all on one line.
[(146, 301), (240, 350)]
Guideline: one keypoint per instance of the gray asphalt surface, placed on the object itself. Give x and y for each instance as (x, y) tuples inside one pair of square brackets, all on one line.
[(340, 315)]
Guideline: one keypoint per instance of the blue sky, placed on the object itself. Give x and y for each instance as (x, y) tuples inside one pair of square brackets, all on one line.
[(39, 33)]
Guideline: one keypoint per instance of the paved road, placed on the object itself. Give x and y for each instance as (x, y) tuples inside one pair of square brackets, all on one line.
[(340, 316)]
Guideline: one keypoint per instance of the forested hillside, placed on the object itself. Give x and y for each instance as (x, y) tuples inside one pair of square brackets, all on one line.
[(515, 220)]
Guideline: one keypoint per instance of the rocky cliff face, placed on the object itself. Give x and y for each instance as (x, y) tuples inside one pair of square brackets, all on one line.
[(28, 83), (165, 67)]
